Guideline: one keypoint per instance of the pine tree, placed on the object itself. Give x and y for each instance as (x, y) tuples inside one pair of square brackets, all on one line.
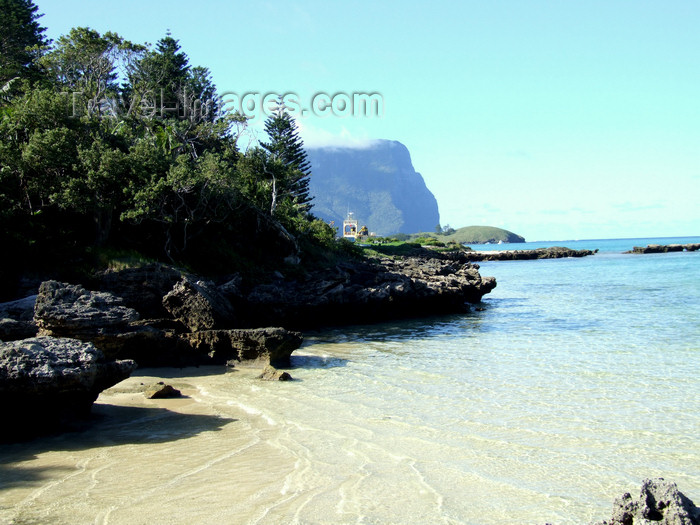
[(21, 36), (287, 147)]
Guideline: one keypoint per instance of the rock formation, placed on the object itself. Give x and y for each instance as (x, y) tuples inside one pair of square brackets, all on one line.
[(665, 248), (553, 252), (377, 183), (17, 319), (47, 380), (198, 305), (161, 391), (270, 373), (366, 292), (659, 503), (64, 309), (254, 347)]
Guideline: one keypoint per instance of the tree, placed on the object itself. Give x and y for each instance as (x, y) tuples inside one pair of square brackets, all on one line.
[(86, 64), (21, 40), (287, 147), (164, 79)]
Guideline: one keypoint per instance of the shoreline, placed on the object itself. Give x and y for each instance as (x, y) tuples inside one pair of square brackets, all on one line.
[(240, 458)]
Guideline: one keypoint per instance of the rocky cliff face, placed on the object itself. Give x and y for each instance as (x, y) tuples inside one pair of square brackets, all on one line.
[(378, 184)]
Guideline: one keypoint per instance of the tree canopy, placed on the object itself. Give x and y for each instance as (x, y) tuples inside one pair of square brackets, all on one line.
[(105, 142)]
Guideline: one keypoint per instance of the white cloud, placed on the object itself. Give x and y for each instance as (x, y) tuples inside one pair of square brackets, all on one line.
[(314, 137)]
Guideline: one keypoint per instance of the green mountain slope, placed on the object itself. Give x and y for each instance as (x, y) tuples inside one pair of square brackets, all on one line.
[(481, 235)]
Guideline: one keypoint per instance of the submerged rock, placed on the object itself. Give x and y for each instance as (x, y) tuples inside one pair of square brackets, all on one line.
[(270, 373), (659, 503), (45, 381), (161, 391)]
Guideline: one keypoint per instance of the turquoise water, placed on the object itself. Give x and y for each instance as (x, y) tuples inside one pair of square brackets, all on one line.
[(571, 382), (604, 245), (575, 380)]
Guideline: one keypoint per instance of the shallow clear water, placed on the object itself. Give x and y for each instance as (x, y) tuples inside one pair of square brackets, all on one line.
[(573, 381)]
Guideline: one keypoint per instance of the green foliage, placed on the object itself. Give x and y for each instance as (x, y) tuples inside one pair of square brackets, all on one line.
[(85, 64), (290, 178), (481, 234), (21, 42), (92, 164), (428, 241)]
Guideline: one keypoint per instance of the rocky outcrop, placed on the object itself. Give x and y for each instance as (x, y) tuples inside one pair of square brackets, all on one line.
[(370, 291), (101, 318), (161, 391), (255, 347), (198, 305), (141, 288), (47, 380), (665, 248), (553, 252), (64, 309), (659, 503), (205, 323), (270, 373)]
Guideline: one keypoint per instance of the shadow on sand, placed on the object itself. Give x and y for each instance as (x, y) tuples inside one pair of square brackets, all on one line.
[(107, 426)]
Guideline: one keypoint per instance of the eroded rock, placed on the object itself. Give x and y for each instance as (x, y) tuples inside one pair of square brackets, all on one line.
[(659, 503), (161, 391), (45, 381), (64, 309), (270, 373), (199, 305), (254, 347)]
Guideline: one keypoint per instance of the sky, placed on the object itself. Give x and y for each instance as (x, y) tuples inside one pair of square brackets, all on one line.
[(554, 120)]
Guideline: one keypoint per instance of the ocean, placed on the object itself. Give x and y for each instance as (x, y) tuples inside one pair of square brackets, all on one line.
[(569, 384)]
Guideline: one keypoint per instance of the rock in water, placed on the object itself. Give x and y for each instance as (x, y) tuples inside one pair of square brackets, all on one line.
[(161, 391), (659, 503), (252, 347), (270, 373), (45, 381)]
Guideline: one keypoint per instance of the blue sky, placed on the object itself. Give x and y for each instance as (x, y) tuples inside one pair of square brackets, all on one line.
[(555, 120)]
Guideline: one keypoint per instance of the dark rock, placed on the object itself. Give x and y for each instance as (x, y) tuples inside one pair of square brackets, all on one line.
[(659, 503), (69, 310), (370, 291), (255, 347), (45, 381), (161, 391), (199, 305), (141, 288), (19, 310), (17, 319), (270, 373), (12, 330), (553, 252), (665, 248)]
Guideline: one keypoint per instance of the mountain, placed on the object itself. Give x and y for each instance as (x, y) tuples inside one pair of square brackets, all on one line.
[(377, 183), (481, 235)]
